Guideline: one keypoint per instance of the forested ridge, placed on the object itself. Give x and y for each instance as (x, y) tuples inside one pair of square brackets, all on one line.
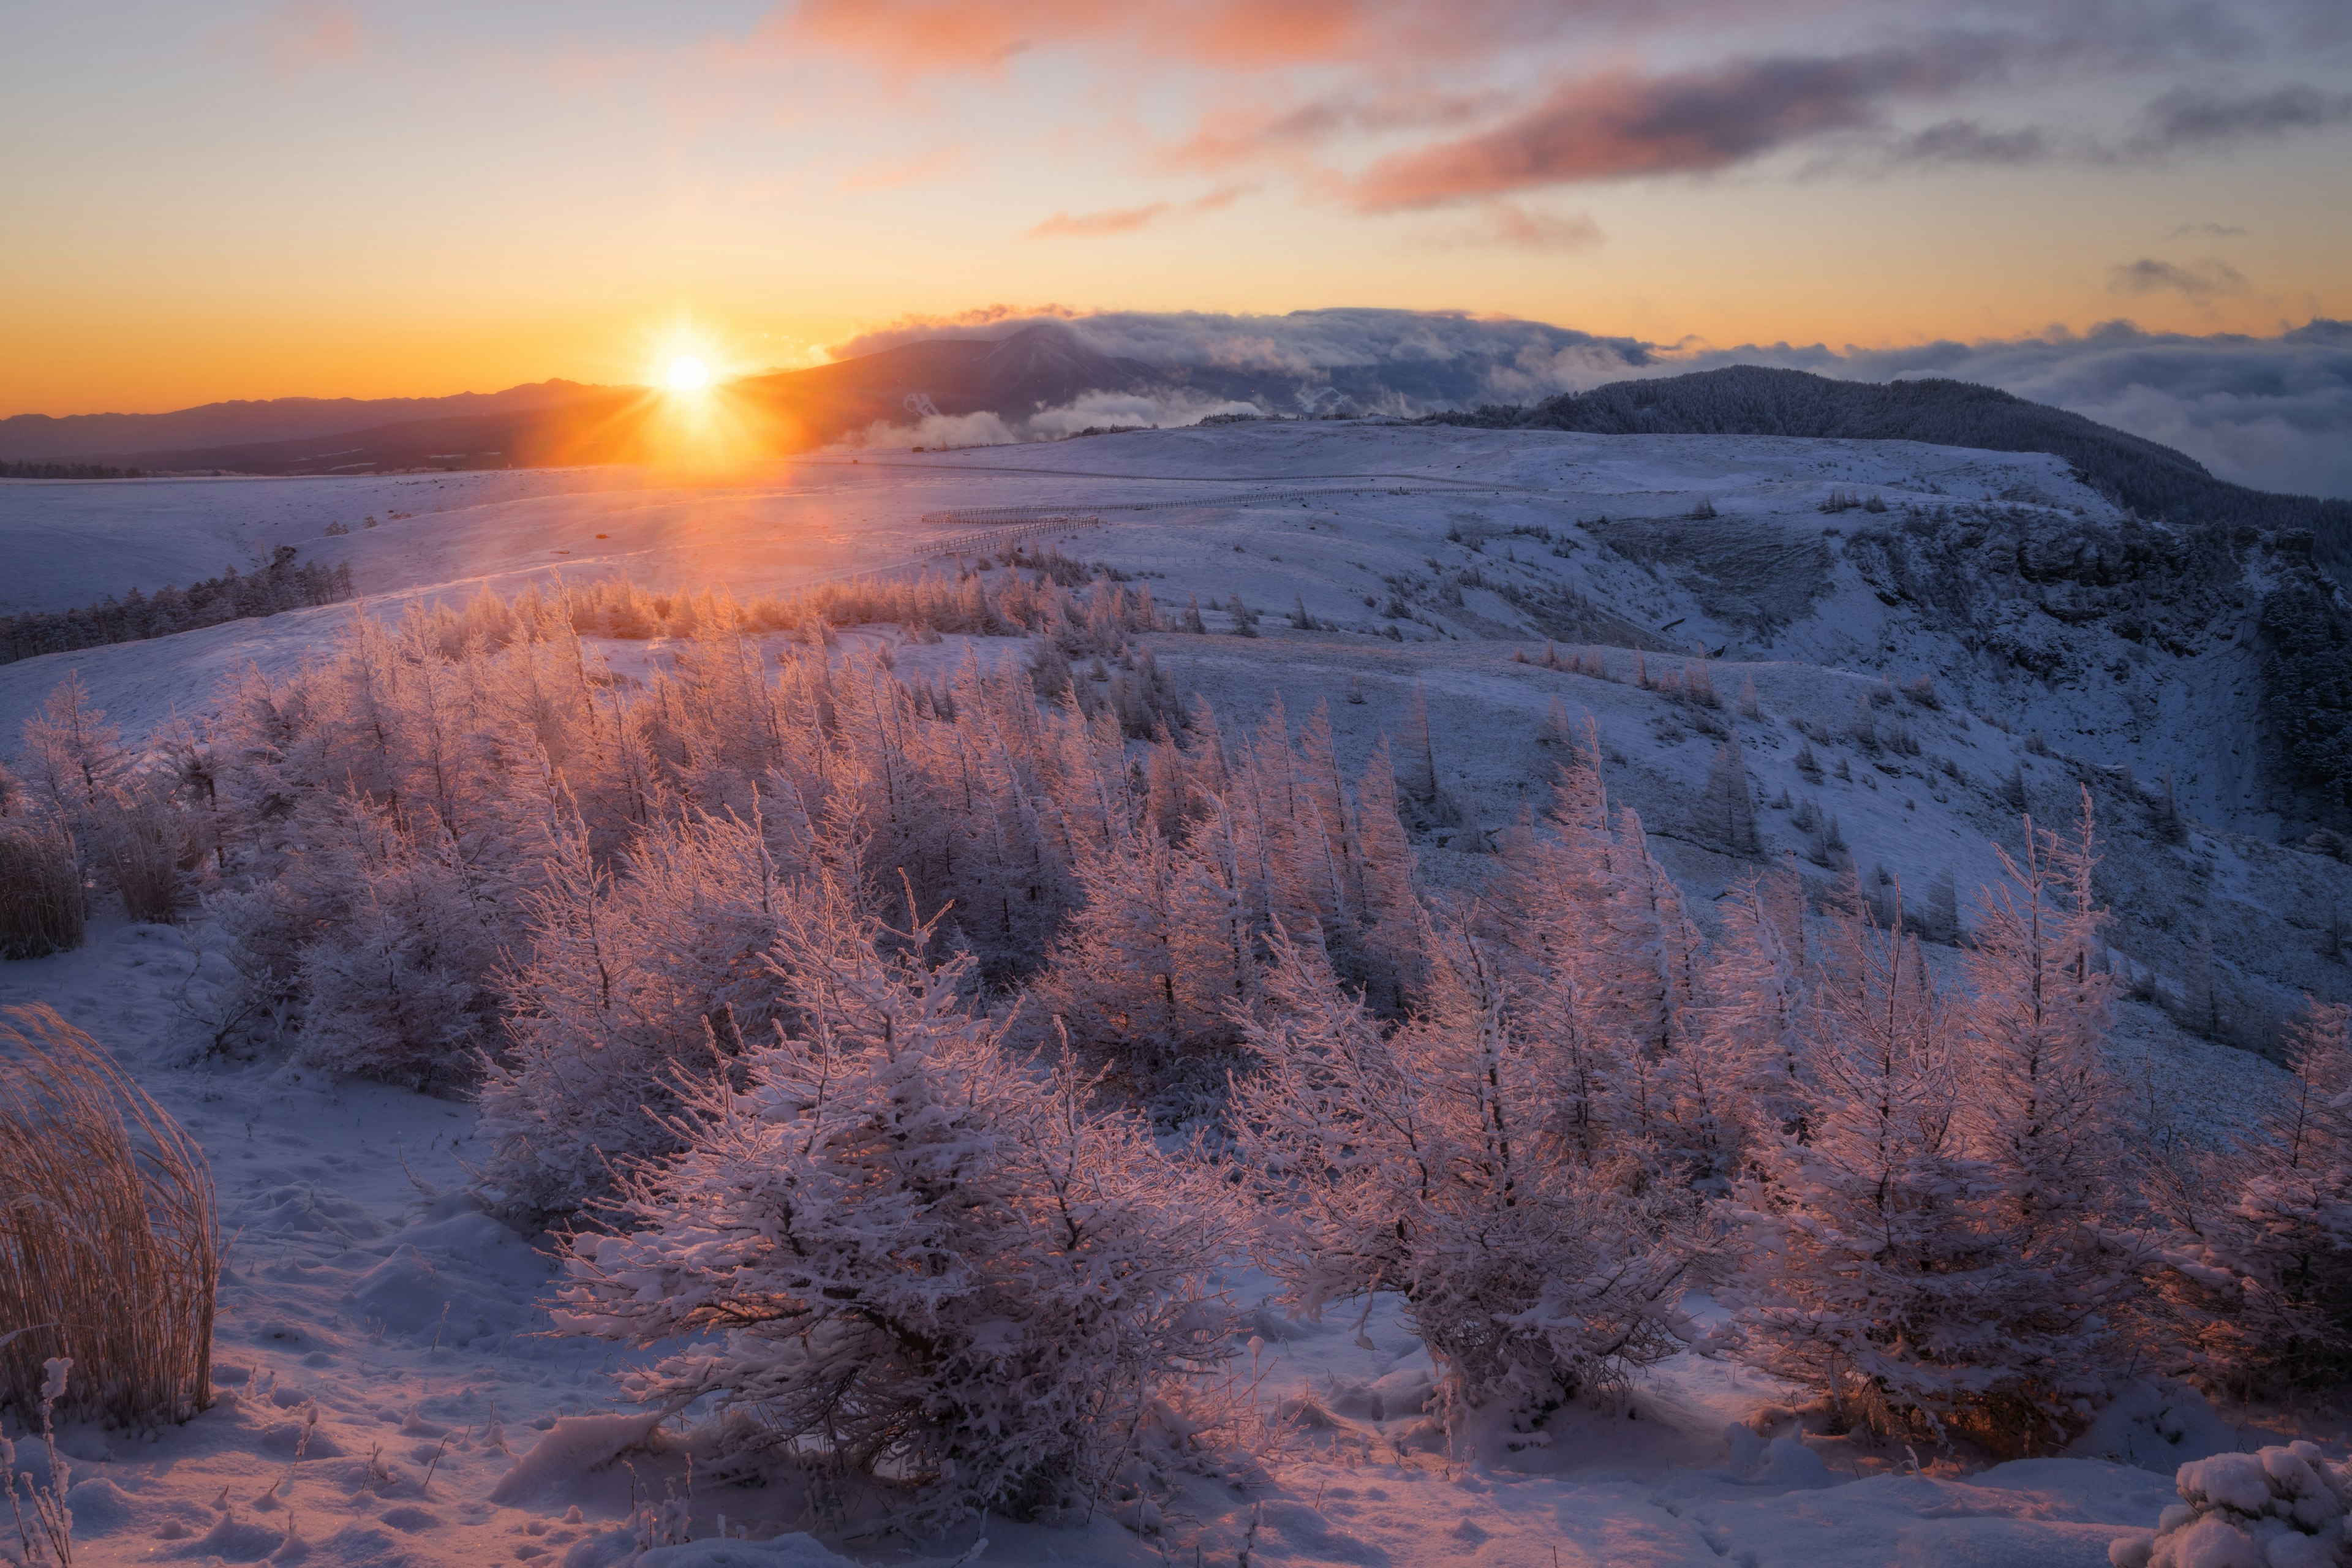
[(233, 595), (2138, 474)]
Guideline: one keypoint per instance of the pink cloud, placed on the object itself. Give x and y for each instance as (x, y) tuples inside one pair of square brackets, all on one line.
[(1127, 220), (1093, 226), (305, 35), (898, 173)]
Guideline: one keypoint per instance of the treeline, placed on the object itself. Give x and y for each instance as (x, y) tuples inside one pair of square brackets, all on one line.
[(2139, 475), (231, 596), (66, 471)]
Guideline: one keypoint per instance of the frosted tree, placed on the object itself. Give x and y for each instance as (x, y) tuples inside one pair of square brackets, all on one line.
[(1730, 804), (1870, 1275), (2259, 1280), (392, 977), (2039, 1114), (904, 1252), (637, 987), (1148, 968), (1755, 1019), (1416, 757), (1412, 1158), (75, 758)]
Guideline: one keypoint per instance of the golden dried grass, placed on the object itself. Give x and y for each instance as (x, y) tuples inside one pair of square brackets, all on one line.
[(41, 894), (110, 1241)]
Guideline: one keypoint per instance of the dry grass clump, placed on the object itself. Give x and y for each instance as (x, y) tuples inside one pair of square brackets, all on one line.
[(40, 895), (141, 846), (110, 1242)]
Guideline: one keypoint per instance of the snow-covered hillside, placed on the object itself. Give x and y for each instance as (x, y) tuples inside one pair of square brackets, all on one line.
[(2073, 635), (1959, 636)]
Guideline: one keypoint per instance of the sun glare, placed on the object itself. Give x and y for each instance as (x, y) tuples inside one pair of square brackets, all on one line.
[(687, 373)]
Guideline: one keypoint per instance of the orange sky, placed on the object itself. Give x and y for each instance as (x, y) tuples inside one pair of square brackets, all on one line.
[(328, 199)]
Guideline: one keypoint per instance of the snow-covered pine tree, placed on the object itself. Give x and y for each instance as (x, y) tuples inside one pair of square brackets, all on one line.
[(1412, 1158), (2039, 1114), (1755, 1020), (1730, 804), (915, 1256), (2259, 1281), (1870, 1277)]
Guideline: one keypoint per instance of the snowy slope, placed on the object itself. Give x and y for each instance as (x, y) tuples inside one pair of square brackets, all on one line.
[(367, 1299)]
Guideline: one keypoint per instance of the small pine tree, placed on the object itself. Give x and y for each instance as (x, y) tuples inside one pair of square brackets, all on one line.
[(2258, 1278), (1416, 754), (1731, 803), (1869, 1277), (2039, 1114), (1401, 1163)]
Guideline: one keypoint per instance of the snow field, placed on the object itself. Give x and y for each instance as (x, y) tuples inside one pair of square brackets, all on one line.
[(366, 1289)]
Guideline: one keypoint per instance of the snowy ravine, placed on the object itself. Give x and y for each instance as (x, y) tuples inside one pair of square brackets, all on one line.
[(388, 1392)]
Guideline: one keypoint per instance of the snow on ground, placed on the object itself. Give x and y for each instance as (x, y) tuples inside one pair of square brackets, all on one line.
[(367, 1305)]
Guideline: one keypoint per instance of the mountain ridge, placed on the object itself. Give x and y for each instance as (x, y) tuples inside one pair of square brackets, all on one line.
[(42, 437)]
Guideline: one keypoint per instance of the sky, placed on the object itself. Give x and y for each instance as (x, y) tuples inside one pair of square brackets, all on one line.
[(335, 198)]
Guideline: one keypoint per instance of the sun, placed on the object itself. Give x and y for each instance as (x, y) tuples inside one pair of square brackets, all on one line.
[(687, 373)]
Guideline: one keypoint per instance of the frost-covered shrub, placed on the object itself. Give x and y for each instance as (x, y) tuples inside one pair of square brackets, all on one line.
[(2279, 1507), (634, 988), (918, 1257)]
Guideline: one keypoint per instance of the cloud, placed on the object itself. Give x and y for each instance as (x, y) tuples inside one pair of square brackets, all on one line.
[(2198, 281), (2203, 231), (1127, 220), (1091, 225), (909, 37), (297, 36), (918, 37), (982, 429), (1619, 125), (1966, 141), (1402, 362), (2272, 412), (2188, 119), (1252, 132), (1117, 410), (897, 174), (1507, 224)]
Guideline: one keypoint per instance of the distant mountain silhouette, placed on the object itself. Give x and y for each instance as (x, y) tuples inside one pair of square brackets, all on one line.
[(1048, 366), (1042, 366), (41, 438)]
